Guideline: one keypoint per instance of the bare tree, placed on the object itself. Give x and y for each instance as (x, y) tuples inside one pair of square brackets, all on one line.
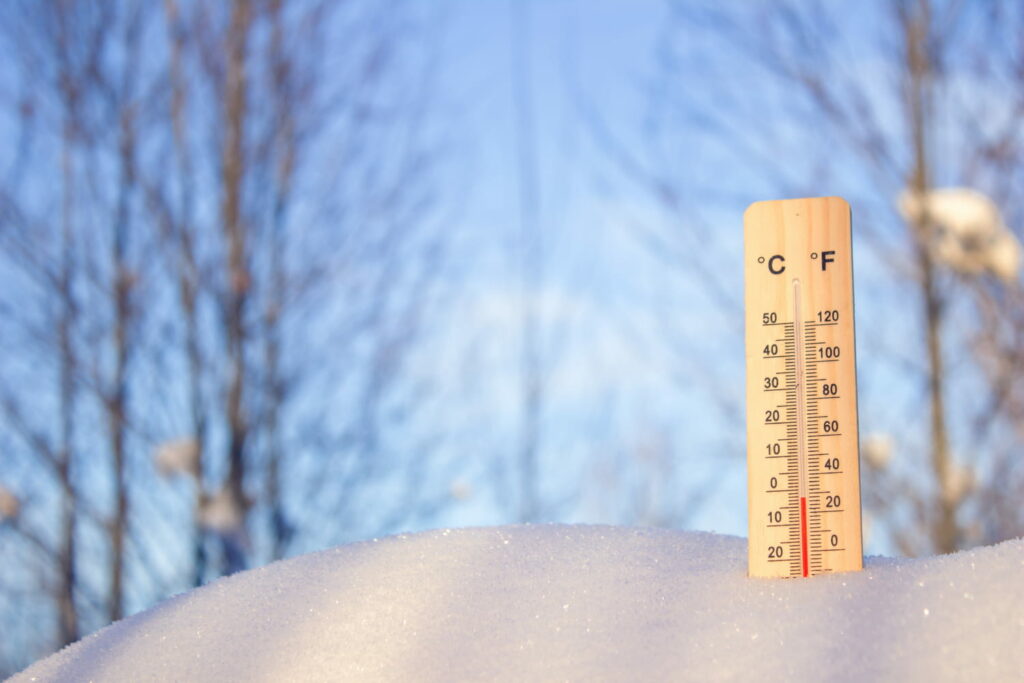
[(221, 247), (178, 231), (43, 250), (893, 100), (269, 289), (49, 257)]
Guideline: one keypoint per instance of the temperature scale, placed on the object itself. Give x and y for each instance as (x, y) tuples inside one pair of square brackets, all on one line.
[(803, 472)]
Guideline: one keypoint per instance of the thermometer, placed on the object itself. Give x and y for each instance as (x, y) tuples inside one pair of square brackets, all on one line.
[(803, 473)]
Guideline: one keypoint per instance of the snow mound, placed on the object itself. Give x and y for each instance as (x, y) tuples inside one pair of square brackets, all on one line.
[(570, 603)]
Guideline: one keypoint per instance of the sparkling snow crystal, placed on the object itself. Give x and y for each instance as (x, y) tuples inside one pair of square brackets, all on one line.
[(571, 603)]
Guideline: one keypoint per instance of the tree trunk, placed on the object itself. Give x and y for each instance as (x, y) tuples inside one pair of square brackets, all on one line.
[(237, 294), (945, 534), (66, 609)]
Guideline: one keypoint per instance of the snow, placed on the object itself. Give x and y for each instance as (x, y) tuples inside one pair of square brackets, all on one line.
[(10, 504), (971, 236), (221, 513), (556, 602), (178, 456), (877, 450)]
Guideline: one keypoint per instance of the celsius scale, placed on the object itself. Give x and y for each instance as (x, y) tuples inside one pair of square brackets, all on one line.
[(803, 474)]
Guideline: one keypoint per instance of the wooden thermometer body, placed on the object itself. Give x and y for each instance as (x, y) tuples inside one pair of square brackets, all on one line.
[(803, 484)]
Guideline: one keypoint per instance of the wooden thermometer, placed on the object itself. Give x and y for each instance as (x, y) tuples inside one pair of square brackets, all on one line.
[(803, 473)]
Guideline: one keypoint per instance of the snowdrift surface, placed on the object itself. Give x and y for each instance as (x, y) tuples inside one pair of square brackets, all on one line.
[(570, 603)]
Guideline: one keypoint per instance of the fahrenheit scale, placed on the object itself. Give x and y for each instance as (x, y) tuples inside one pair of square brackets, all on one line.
[(803, 481)]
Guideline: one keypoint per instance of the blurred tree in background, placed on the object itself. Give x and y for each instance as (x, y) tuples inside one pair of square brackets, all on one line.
[(920, 102), (219, 243)]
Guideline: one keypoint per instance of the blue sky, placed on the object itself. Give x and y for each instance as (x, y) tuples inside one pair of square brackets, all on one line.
[(603, 294), (640, 348)]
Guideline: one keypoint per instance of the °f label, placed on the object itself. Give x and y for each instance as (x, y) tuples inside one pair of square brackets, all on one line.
[(803, 473)]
